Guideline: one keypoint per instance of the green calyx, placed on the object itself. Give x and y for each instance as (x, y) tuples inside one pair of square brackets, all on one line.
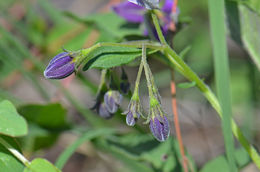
[(153, 101)]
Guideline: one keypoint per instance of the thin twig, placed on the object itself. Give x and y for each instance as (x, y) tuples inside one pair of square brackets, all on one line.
[(177, 124)]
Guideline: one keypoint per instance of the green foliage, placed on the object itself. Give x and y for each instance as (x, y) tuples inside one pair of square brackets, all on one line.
[(50, 116), (220, 163), (46, 122), (11, 123), (63, 158), (109, 57), (221, 65), (250, 31), (40, 165), (8, 162)]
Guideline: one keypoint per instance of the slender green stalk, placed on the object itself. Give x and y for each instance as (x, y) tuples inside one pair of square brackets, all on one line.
[(138, 78), (184, 69), (221, 66), (17, 154)]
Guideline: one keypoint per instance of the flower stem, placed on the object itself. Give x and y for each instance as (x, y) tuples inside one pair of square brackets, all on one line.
[(17, 154), (146, 71), (184, 69)]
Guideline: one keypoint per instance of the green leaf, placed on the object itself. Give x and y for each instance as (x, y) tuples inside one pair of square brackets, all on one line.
[(8, 162), (144, 148), (221, 67), (216, 165), (108, 57), (250, 28), (11, 123), (51, 116), (41, 165), (220, 163)]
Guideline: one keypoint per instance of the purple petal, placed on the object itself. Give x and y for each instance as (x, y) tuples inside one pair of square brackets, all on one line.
[(160, 129), (60, 67), (129, 11), (130, 120), (167, 7)]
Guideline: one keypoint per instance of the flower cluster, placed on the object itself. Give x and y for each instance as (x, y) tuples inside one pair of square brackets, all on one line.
[(133, 11), (109, 97)]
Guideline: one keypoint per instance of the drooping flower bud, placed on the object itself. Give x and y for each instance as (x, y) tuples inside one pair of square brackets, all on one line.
[(103, 111), (159, 127), (133, 112), (112, 100), (61, 66), (158, 123)]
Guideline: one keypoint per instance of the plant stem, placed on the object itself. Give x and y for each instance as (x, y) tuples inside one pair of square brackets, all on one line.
[(139, 74), (184, 69), (17, 154), (146, 71), (177, 124)]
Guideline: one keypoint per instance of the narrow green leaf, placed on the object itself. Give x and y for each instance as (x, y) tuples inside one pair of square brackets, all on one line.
[(221, 65), (11, 123), (250, 28), (41, 165), (63, 158)]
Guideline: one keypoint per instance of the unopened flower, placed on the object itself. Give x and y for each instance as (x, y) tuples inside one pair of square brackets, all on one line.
[(112, 100), (133, 11), (133, 112), (60, 66), (103, 111), (159, 126), (158, 123)]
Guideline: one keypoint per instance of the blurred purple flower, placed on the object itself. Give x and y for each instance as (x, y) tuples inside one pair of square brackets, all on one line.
[(159, 127), (112, 100), (60, 67), (103, 111), (149, 4), (135, 14)]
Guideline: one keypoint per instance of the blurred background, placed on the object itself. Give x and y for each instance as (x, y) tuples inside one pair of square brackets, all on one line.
[(34, 31)]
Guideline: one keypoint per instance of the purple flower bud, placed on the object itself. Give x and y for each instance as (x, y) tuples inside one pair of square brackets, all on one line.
[(112, 100), (103, 111), (133, 112), (159, 126), (60, 67)]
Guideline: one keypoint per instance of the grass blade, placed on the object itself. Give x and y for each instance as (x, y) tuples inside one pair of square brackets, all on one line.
[(221, 65)]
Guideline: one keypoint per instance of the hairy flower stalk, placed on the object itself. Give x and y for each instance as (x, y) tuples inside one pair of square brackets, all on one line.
[(134, 110), (157, 119)]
